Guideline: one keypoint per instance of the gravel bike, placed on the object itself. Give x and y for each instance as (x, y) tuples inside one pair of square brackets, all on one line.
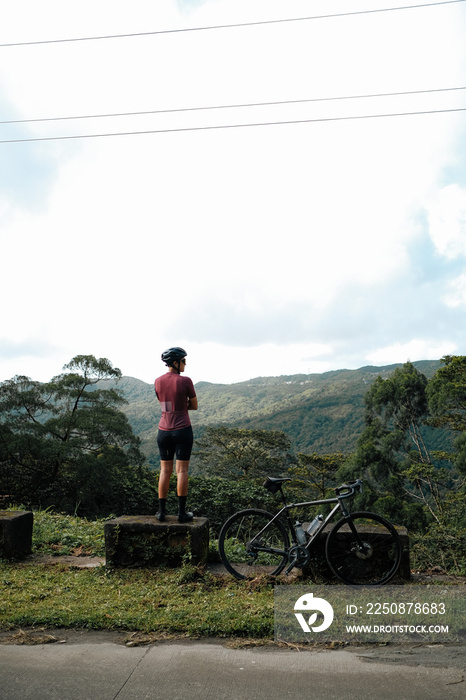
[(361, 548)]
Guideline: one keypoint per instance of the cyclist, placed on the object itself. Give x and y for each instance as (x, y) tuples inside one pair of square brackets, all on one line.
[(177, 396)]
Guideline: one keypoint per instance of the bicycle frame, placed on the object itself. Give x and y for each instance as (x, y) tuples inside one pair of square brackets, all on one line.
[(356, 546), (340, 506)]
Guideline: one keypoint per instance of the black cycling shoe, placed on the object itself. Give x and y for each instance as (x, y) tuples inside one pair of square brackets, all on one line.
[(185, 517), (162, 510)]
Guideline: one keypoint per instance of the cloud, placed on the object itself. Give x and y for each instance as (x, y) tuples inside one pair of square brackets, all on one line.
[(32, 347), (416, 348), (293, 247), (447, 221), (27, 173), (32, 357), (456, 297)]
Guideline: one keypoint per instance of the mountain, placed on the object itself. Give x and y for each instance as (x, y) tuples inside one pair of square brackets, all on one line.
[(321, 413)]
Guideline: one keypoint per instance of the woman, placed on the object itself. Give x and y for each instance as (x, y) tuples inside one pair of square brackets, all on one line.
[(175, 436)]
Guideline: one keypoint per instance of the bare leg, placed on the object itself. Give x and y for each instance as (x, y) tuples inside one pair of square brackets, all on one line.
[(182, 490), (166, 469), (182, 477)]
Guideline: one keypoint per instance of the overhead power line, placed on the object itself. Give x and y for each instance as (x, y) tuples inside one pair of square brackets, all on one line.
[(234, 126), (233, 106), (232, 26)]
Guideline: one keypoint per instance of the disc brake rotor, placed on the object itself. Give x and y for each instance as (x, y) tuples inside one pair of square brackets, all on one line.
[(365, 552)]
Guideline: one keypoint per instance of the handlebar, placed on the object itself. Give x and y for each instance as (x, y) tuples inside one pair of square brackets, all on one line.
[(349, 489), (273, 484)]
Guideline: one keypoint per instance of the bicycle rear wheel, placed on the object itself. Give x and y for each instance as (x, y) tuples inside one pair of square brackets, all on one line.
[(249, 544), (370, 557)]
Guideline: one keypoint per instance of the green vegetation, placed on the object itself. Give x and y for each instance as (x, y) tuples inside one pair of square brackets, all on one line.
[(68, 447), (67, 444), (59, 534), (186, 601), (321, 413), (182, 602), (249, 454), (413, 485)]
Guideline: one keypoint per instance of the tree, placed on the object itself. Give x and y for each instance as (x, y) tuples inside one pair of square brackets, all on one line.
[(237, 452), (314, 476), (446, 394), (407, 481), (400, 403), (66, 442), (447, 401), (391, 444)]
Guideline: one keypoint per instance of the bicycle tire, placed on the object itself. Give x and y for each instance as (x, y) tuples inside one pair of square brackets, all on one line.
[(239, 556), (379, 561)]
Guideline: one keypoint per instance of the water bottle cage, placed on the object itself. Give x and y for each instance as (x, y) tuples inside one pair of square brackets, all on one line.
[(301, 536)]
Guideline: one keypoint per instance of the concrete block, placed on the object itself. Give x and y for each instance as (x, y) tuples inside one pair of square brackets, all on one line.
[(318, 567), (405, 566), (141, 540), (15, 533)]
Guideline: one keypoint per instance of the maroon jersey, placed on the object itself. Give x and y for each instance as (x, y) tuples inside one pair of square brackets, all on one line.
[(173, 392)]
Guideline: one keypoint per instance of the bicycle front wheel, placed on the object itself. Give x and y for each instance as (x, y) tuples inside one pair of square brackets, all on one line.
[(249, 544), (366, 552)]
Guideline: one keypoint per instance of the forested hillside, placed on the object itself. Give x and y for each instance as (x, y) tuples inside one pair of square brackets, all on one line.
[(321, 413), (71, 445)]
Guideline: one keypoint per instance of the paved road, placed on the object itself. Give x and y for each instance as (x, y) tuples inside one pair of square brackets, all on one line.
[(90, 667)]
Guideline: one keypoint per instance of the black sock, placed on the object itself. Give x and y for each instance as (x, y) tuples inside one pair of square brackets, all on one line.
[(162, 505), (182, 503)]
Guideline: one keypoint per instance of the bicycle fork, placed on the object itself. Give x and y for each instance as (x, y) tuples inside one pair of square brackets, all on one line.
[(363, 550)]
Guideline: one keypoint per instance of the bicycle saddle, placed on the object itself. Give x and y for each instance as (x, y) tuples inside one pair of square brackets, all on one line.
[(273, 483)]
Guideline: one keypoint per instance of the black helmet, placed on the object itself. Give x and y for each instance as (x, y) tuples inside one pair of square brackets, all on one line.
[(172, 355)]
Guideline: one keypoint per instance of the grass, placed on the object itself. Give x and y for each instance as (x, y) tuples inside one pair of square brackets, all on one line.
[(185, 602), (65, 534)]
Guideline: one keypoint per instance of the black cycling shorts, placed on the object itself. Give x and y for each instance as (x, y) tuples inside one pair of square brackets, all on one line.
[(175, 442)]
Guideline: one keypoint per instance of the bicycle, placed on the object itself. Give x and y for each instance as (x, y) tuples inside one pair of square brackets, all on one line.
[(362, 548)]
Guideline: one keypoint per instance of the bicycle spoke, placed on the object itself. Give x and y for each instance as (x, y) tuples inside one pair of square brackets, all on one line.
[(369, 557), (250, 545)]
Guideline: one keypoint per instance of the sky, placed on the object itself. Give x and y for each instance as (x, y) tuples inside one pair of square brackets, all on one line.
[(312, 219)]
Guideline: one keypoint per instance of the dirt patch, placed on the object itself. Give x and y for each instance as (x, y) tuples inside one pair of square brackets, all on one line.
[(42, 635), (29, 637), (77, 562), (84, 562)]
